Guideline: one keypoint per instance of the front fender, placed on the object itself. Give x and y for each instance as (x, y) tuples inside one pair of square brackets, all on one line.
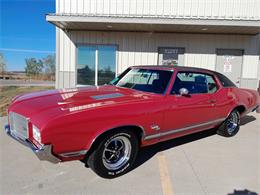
[(78, 132), (113, 127)]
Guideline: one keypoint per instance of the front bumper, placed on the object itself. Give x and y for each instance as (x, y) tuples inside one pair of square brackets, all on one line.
[(43, 153)]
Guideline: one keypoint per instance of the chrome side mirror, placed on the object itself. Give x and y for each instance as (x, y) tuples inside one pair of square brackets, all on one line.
[(184, 92)]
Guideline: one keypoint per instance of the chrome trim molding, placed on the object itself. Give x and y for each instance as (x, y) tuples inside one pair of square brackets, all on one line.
[(74, 154), (158, 135), (43, 153), (107, 96)]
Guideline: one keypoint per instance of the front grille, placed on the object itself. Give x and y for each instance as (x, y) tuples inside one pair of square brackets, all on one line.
[(18, 125)]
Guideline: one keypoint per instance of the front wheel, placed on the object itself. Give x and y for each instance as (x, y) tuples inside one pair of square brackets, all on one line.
[(231, 125), (115, 154)]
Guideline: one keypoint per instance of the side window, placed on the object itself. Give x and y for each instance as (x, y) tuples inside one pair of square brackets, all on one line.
[(225, 81), (195, 83), (212, 86)]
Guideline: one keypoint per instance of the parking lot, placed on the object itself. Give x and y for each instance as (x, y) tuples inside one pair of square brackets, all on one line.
[(203, 163)]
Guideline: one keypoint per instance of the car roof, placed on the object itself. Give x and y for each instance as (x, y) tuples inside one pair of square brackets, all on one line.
[(178, 68)]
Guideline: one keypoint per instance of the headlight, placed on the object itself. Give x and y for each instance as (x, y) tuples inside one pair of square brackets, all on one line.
[(36, 134)]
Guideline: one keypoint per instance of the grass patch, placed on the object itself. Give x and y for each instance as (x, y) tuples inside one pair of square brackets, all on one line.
[(9, 92)]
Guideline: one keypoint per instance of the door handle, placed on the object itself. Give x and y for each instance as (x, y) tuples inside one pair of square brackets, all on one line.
[(212, 101)]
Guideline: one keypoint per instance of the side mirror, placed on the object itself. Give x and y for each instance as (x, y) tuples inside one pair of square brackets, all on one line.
[(184, 92)]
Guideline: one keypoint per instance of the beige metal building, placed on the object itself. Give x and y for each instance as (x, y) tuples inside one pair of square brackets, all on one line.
[(98, 39)]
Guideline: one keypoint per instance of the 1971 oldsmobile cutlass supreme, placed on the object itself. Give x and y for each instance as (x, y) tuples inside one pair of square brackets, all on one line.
[(105, 126)]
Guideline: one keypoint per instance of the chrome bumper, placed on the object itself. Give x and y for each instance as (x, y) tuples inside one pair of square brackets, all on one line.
[(43, 153)]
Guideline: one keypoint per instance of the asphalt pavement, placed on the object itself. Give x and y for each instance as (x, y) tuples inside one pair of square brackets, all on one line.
[(23, 83), (203, 163)]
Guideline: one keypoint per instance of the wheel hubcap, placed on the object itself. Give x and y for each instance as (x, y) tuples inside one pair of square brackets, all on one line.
[(232, 123), (116, 153)]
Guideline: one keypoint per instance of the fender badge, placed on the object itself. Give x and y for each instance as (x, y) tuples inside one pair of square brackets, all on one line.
[(155, 127)]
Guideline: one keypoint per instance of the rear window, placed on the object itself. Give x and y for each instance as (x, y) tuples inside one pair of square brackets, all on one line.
[(225, 81)]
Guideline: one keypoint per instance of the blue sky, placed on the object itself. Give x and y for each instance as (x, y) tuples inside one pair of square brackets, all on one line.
[(24, 32)]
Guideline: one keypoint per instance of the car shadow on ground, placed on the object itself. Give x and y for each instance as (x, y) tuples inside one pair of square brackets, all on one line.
[(148, 152), (242, 192), (247, 119)]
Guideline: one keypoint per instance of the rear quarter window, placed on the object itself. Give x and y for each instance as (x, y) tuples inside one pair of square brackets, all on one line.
[(225, 81)]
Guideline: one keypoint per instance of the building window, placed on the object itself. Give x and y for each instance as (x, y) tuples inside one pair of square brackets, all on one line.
[(96, 64), (171, 56), (86, 66)]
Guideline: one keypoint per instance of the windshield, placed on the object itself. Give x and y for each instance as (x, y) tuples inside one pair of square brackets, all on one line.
[(154, 81)]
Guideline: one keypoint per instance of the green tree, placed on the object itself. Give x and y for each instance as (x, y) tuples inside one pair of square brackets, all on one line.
[(49, 64), (33, 66), (2, 63)]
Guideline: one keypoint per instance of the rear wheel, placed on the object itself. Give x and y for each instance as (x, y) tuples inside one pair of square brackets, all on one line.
[(115, 154), (231, 125)]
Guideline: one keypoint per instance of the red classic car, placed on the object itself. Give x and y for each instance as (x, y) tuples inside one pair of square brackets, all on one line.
[(105, 126)]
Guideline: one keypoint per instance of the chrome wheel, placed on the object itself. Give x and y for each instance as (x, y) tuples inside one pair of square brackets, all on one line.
[(116, 153), (232, 123)]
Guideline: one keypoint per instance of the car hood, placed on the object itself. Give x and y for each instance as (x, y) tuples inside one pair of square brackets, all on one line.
[(53, 103)]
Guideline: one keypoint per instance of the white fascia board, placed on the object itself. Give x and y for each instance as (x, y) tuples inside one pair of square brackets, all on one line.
[(150, 20)]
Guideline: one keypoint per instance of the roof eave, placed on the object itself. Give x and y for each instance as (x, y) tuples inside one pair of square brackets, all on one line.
[(153, 24)]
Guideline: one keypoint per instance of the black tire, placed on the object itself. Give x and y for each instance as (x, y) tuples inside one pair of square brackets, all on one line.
[(115, 155), (231, 125)]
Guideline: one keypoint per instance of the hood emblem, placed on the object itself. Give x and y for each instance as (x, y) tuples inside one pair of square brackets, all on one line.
[(107, 96)]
